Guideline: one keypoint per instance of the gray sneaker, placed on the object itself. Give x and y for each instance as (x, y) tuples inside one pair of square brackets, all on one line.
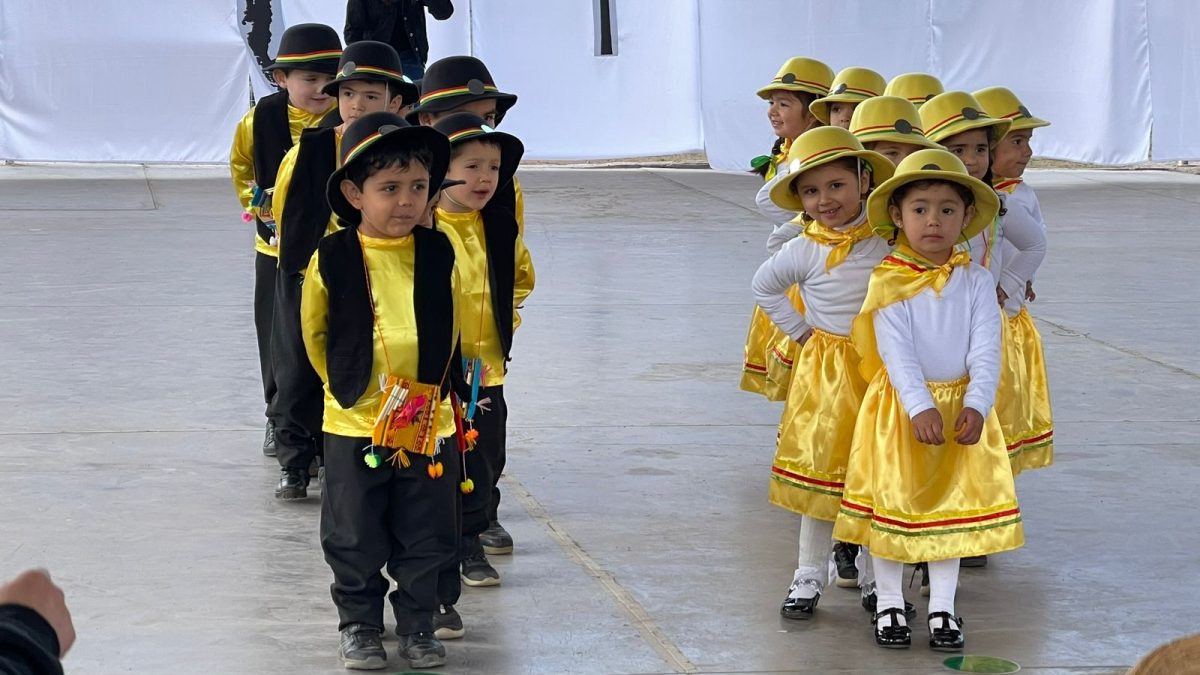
[(477, 571), (496, 540), (422, 650), (362, 648)]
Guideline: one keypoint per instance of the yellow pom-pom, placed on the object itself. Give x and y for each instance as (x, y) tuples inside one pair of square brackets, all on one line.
[(467, 486)]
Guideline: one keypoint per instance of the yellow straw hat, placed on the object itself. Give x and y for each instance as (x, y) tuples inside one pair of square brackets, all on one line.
[(1003, 104), (852, 85), (932, 165), (818, 147), (889, 118), (916, 87), (954, 112), (800, 74)]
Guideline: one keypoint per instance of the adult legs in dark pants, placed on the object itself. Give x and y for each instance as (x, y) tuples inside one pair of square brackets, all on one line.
[(299, 402), (265, 269), (389, 516), (481, 464)]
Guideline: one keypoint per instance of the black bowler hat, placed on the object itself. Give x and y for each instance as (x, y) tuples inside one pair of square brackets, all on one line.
[(455, 80), (463, 127), (373, 61), (309, 46), (384, 129)]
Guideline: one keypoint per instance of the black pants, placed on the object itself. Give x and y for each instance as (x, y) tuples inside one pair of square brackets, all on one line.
[(265, 269), (485, 463), (299, 402), (389, 516)]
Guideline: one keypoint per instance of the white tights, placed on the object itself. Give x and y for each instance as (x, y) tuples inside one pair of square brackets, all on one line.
[(889, 580), (812, 563)]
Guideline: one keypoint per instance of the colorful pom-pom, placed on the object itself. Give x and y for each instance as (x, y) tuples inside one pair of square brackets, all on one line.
[(247, 217), (467, 486), (436, 469), (372, 459)]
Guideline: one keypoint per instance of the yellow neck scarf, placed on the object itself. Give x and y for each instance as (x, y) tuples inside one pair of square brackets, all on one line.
[(778, 159), (902, 275), (842, 242), (1005, 185)]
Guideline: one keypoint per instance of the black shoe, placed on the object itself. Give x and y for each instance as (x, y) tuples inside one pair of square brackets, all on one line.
[(797, 608), (269, 448), (314, 469), (293, 484), (843, 558), (974, 561), (496, 540), (422, 650), (362, 648), (447, 623), (923, 568), (943, 638), (870, 602), (893, 635), (477, 571)]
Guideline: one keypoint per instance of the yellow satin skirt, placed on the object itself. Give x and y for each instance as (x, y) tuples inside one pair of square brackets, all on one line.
[(817, 427), (1023, 399), (912, 502), (769, 353)]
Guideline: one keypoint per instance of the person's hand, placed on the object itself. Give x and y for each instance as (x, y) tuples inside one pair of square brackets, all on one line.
[(1001, 296), (927, 427), (1030, 296), (427, 217), (804, 338), (969, 426), (35, 590)]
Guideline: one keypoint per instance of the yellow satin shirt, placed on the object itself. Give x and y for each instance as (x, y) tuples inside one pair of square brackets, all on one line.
[(283, 182), (480, 338), (241, 158), (390, 262)]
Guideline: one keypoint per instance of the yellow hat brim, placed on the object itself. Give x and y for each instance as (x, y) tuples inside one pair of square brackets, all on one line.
[(814, 89), (1022, 123), (820, 107), (1001, 128), (894, 136), (781, 194), (987, 204)]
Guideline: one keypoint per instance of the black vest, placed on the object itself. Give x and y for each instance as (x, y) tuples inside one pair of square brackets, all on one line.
[(272, 139), (306, 213), (349, 351), (500, 240)]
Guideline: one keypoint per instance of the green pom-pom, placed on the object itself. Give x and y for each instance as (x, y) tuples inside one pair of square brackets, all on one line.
[(759, 162), (372, 459)]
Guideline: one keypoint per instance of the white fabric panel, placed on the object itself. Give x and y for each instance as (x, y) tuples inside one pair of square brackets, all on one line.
[(745, 43), (574, 104), (1175, 78), (120, 80), (1088, 72)]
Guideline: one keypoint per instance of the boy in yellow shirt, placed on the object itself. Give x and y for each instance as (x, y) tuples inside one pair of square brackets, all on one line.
[(307, 61)]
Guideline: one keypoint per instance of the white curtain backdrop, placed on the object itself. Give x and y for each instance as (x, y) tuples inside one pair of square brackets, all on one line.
[(166, 81)]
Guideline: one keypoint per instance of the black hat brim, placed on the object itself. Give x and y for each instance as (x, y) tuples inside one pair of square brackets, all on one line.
[(503, 103), (323, 66), (408, 137), (407, 90)]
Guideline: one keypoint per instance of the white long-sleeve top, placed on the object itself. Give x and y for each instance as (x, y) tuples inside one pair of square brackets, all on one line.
[(763, 199), (831, 299), (977, 246), (782, 234), (1024, 218), (932, 338)]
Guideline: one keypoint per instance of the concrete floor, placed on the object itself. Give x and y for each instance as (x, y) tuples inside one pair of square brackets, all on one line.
[(130, 424)]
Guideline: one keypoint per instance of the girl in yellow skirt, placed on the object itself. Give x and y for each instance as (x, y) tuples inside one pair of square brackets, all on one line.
[(797, 84), (928, 476), (830, 175), (891, 126), (1023, 404)]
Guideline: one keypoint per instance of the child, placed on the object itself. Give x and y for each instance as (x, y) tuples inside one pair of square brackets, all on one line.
[(917, 88), (851, 87), (379, 316), (369, 80), (463, 84), (797, 84), (308, 58), (829, 177), (891, 126), (928, 476), (1026, 418), (496, 273)]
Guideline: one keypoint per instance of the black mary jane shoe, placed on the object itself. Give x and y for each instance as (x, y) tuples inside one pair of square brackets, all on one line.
[(892, 636), (944, 638), (799, 608), (870, 602)]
